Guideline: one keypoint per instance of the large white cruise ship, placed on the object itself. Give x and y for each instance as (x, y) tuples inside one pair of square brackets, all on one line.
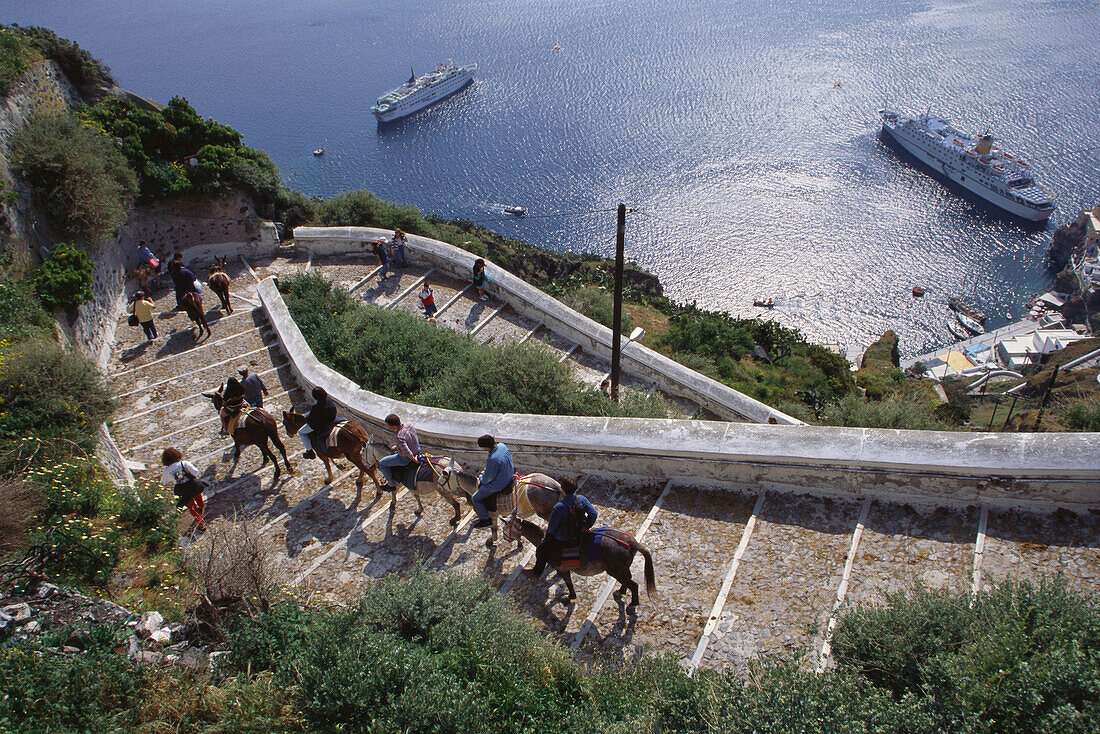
[(420, 91), (978, 165)]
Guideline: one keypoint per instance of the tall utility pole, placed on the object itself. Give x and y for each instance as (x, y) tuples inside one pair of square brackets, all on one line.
[(617, 319)]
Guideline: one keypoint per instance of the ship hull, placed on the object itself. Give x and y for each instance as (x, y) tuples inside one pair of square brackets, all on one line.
[(447, 89), (957, 175)]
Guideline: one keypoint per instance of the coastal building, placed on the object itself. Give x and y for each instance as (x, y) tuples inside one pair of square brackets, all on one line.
[(1092, 231), (1020, 351)]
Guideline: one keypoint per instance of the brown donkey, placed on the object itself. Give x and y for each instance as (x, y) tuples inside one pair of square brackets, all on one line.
[(192, 304), (254, 428), (351, 439), (617, 550), (219, 283)]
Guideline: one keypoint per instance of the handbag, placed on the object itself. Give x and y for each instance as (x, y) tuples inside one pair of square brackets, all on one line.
[(188, 490), (133, 320)]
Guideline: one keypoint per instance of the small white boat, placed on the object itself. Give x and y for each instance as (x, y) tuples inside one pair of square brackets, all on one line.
[(517, 211), (957, 331), (319, 152), (969, 324)]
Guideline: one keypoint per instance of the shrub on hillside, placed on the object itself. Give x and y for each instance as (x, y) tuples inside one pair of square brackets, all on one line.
[(79, 177), (79, 66), (428, 653), (405, 357), (16, 56), (893, 411), (20, 502), (364, 209), (21, 314), (46, 391), (64, 279), (598, 305), (1082, 414), (1017, 657), (150, 516)]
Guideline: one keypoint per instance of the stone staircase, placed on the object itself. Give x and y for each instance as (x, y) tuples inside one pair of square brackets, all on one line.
[(741, 571)]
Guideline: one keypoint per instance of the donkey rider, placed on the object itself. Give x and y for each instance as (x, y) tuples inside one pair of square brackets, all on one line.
[(320, 420), (499, 476), (571, 518), (232, 405), (407, 450)]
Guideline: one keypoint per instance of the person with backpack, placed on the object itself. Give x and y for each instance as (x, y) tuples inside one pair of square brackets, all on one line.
[(184, 478), (570, 519)]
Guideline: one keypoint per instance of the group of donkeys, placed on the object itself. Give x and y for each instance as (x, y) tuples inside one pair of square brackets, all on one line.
[(611, 551)]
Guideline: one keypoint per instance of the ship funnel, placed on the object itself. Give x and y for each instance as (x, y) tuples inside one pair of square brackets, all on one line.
[(412, 77), (984, 145)]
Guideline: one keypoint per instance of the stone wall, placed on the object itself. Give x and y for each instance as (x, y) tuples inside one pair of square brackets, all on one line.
[(637, 360), (1039, 471)]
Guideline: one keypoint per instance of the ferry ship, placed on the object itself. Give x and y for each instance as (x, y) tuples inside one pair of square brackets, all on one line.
[(977, 165), (421, 91)]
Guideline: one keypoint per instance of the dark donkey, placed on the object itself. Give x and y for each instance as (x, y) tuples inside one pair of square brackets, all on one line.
[(351, 439), (254, 428), (192, 304), (617, 550), (219, 283)]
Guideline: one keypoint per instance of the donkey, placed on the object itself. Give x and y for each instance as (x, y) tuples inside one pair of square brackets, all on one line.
[(617, 550), (254, 428), (146, 277), (439, 465), (219, 283), (536, 494), (351, 439), (192, 304)]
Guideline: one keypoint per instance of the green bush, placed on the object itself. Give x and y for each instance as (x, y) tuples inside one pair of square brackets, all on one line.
[(16, 56), (65, 277), (880, 381), (430, 653), (46, 391), (364, 209), (598, 305), (893, 411), (42, 691), (401, 356), (79, 177), (1083, 415), (177, 152), (21, 314), (150, 516), (79, 65), (1018, 657)]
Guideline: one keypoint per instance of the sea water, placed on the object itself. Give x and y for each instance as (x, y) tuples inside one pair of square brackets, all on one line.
[(744, 134)]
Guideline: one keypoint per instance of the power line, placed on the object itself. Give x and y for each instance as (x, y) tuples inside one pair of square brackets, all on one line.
[(538, 216)]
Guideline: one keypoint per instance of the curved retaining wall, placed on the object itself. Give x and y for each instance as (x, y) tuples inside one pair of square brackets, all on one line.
[(644, 363), (922, 467)]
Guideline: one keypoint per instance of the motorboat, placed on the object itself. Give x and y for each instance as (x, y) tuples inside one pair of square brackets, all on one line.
[(517, 211), (969, 324), (957, 331), (764, 302), (319, 152)]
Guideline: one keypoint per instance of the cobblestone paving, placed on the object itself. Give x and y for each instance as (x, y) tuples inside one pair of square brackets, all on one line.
[(902, 546), (783, 592), (785, 586), (1029, 546)]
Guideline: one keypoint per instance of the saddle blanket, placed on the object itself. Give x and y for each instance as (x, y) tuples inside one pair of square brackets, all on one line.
[(332, 440), (418, 473), (234, 418)]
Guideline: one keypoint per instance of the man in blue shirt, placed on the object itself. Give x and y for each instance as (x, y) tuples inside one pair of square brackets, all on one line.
[(569, 520), (498, 476)]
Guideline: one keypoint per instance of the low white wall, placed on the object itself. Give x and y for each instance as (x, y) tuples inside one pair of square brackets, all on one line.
[(922, 467), (642, 362)]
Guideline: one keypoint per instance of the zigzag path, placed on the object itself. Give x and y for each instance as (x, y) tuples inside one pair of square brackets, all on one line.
[(741, 571)]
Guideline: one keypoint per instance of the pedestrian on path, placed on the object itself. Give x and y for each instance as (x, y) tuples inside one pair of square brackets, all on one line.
[(141, 306), (253, 386), (480, 279), (184, 478), (383, 257), (427, 299), (400, 254)]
